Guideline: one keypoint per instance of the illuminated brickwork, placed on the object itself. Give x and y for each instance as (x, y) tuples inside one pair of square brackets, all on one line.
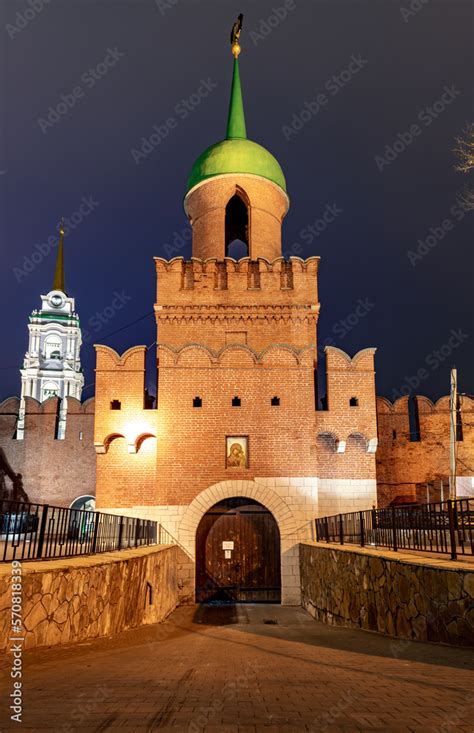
[(236, 365), (413, 459), (232, 331), (53, 471)]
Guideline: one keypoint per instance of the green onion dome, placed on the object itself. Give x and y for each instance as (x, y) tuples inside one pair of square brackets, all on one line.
[(236, 154)]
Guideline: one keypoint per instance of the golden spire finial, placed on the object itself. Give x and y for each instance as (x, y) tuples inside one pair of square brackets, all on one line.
[(58, 283), (235, 35)]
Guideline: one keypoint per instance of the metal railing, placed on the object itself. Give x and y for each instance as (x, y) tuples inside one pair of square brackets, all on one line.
[(39, 531), (445, 527)]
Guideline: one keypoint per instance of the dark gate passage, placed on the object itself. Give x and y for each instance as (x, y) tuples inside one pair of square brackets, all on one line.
[(238, 553)]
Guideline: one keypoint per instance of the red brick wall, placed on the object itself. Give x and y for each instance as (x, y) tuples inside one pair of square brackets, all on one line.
[(209, 302), (124, 478), (267, 206), (404, 466), (54, 471), (192, 448), (347, 378), (204, 307), (199, 317)]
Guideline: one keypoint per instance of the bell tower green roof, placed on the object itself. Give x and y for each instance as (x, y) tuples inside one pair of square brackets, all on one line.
[(236, 154)]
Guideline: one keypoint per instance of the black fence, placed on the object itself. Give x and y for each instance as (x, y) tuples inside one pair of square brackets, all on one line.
[(39, 531), (446, 528)]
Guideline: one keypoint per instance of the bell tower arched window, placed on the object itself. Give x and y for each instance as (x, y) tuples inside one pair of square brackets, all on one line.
[(236, 228)]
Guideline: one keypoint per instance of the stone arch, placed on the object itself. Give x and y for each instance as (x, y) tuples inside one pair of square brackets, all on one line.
[(140, 440), (289, 536), (278, 354), (194, 355), (104, 446), (357, 441), (329, 440), (237, 355), (226, 490)]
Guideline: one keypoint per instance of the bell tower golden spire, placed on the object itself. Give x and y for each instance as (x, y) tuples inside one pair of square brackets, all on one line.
[(58, 283)]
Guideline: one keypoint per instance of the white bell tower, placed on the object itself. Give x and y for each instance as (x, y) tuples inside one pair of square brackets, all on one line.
[(52, 366)]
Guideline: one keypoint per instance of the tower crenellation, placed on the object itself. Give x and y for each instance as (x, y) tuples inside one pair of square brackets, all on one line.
[(253, 302)]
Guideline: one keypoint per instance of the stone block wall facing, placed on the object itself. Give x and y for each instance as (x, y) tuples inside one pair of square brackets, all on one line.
[(412, 598), (74, 599)]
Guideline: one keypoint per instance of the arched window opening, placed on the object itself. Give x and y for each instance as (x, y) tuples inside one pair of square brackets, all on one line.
[(50, 389), (52, 347), (236, 228), (84, 503)]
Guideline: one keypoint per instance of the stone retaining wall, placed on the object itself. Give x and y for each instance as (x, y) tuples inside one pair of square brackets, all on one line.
[(400, 595), (74, 599)]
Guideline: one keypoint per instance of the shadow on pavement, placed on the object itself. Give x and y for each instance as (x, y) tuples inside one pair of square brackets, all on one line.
[(216, 614)]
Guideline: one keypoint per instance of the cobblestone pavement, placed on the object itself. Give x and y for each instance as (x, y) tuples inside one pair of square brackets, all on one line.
[(242, 670)]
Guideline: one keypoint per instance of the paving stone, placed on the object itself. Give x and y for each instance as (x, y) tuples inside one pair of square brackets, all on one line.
[(244, 677)]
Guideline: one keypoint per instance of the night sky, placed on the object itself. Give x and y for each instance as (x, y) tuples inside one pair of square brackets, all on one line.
[(374, 159)]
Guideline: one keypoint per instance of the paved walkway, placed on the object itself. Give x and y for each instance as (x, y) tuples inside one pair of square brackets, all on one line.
[(243, 670)]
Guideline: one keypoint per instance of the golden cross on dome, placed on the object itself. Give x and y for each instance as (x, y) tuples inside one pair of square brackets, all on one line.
[(235, 35)]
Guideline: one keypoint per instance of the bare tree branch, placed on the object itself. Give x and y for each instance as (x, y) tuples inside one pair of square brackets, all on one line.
[(464, 152)]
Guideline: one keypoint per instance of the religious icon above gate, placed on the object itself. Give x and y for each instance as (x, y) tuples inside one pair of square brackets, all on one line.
[(236, 452)]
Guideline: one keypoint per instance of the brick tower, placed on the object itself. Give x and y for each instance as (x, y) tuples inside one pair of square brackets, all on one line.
[(236, 359)]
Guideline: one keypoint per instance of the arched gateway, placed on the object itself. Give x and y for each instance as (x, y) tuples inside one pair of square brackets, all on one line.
[(260, 492), (238, 553)]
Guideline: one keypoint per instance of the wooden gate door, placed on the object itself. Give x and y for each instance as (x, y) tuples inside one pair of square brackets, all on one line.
[(238, 554)]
